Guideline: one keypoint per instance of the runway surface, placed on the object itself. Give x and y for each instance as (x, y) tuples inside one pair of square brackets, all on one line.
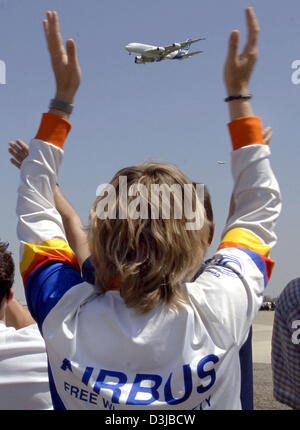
[(262, 372)]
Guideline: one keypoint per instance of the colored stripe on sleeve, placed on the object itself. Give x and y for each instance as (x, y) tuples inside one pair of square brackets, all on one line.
[(36, 255), (56, 400), (246, 131), (53, 129), (264, 264), (47, 285), (241, 238)]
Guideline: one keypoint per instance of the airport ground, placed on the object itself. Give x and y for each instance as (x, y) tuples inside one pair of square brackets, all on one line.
[(262, 372)]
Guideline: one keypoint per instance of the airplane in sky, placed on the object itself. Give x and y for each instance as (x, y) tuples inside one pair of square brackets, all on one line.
[(150, 53)]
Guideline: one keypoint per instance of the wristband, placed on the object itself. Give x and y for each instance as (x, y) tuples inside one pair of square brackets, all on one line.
[(239, 97), (60, 105)]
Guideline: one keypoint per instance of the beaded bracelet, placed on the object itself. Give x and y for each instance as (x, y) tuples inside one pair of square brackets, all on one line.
[(239, 97)]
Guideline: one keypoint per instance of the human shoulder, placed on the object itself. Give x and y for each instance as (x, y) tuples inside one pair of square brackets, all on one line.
[(220, 278), (30, 330), (28, 333), (232, 262), (26, 340)]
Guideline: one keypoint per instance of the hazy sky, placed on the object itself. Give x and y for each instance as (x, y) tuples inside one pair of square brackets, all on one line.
[(170, 111)]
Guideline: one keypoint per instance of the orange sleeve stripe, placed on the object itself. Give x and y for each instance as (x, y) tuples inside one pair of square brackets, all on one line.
[(241, 245), (246, 131), (53, 129)]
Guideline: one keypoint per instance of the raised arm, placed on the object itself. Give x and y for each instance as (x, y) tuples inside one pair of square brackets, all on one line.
[(73, 226), (17, 315), (256, 202), (235, 277), (45, 252)]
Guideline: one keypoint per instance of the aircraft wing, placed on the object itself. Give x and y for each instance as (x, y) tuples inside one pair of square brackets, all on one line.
[(157, 53), (182, 45), (189, 42), (183, 57)]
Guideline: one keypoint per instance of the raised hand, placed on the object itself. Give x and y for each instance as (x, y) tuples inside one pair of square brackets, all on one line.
[(64, 60), (19, 151), (239, 68), (267, 135)]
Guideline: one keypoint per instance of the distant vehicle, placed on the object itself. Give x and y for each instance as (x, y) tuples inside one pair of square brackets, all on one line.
[(150, 53), (268, 306), (221, 162)]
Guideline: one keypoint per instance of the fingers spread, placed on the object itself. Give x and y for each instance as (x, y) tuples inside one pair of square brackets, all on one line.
[(15, 163), (53, 36), (13, 151), (46, 28), (72, 53), (233, 45), (18, 150), (253, 30), (23, 146), (267, 135), (267, 130)]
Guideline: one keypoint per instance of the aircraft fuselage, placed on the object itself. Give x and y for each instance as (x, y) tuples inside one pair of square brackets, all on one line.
[(147, 51)]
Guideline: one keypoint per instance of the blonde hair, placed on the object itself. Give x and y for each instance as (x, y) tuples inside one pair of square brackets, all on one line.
[(148, 260)]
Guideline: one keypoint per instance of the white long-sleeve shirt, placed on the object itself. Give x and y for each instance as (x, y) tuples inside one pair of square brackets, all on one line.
[(24, 383), (103, 355)]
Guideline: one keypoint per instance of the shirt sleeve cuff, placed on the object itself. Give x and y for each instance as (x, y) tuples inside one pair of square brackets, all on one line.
[(53, 129), (246, 131)]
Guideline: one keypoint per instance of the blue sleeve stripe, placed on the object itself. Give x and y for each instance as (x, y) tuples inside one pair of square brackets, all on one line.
[(247, 374), (47, 285), (260, 263), (56, 400)]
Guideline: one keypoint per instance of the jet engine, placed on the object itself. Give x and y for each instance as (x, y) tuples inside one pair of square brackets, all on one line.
[(138, 59), (160, 49), (177, 45)]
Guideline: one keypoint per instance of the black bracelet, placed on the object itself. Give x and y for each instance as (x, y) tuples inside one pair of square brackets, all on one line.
[(239, 97), (60, 105)]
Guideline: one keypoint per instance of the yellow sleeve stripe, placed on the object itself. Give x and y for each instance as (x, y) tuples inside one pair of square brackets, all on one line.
[(240, 238)]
